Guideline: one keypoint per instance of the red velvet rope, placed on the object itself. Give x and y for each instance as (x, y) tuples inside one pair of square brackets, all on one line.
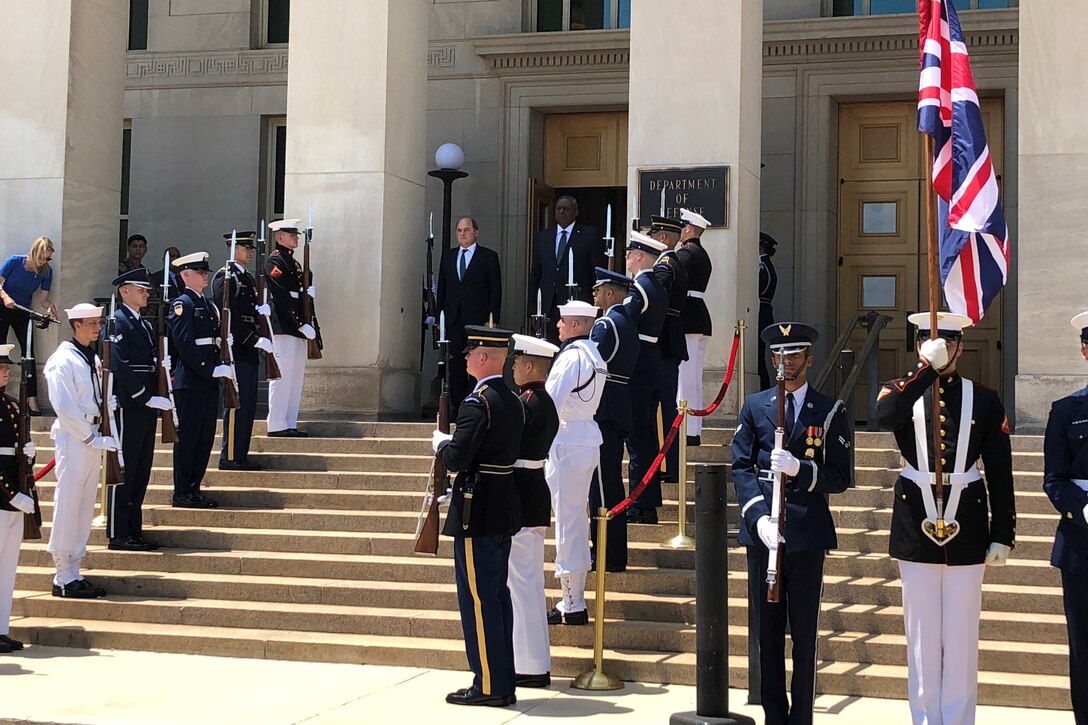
[(674, 429), (45, 469)]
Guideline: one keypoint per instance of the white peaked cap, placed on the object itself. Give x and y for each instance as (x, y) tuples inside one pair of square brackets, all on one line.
[(528, 345), (946, 321), (693, 218), (1080, 321), (284, 225), (638, 240)]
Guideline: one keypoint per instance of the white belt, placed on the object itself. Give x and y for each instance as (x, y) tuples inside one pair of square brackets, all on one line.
[(573, 417), (7, 451), (954, 479), (1081, 483), (526, 463), (206, 341), (696, 294), (647, 338)]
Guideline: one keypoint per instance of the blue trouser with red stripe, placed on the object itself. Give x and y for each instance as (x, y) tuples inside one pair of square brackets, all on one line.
[(487, 616)]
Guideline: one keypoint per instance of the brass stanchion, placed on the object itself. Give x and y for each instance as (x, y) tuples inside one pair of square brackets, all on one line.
[(597, 678), (99, 521), (740, 378), (682, 540)]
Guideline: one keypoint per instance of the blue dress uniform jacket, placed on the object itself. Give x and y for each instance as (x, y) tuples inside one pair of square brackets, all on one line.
[(696, 262), (194, 318), (9, 465), (541, 425), (133, 359), (825, 468), (674, 278), (243, 311), (981, 522), (649, 304)]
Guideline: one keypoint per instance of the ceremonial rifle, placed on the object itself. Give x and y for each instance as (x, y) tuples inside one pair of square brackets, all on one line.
[(226, 354), (778, 499), (165, 387), (430, 304), (271, 367), (115, 460), (438, 481), (32, 523), (609, 240), (313, 347)]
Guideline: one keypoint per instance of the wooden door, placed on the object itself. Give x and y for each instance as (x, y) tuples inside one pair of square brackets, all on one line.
[(541, 210)]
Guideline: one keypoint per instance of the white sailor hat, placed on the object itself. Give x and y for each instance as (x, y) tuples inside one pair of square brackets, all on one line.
[(526, 345), (1080, 322), (285, 225), (643, 243), (949, 325), (196, 260), (694, 219), (5, 353), (83, 310), (577, 308)]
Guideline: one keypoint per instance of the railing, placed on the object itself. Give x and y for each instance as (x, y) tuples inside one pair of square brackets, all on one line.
[(847, 362)]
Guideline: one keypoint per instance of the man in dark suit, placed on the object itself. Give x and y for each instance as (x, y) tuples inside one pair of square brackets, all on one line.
[(553, 249), (1065, 479), (469, 293), (814, 459)]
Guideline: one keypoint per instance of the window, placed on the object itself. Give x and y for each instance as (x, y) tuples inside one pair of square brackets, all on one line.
[(276, 167), (126, 170), (275, 22), (137, 24), (553, 15), (887, 7)]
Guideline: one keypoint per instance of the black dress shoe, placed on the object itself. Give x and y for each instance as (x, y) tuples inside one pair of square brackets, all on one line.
[(98, 591), (225, 465), (129, 544), (641, 516), (206, 502), (695, 440), (533, 680), (285, 433), (299, 433), (248, 465), (5, 649), (193, 501), (472, 696), (74, 590), (14, 645), (151, 545), (557, 617)]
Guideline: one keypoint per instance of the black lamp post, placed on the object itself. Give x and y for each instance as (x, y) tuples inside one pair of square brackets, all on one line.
[(448, 158)]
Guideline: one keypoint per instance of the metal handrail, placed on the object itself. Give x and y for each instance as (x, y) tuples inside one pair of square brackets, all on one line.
[(874, 322), (833, 359)]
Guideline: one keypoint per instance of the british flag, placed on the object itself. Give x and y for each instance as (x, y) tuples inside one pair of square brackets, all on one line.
[(974, 243)]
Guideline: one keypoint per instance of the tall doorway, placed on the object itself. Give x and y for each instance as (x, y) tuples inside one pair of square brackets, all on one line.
[(882, 261)]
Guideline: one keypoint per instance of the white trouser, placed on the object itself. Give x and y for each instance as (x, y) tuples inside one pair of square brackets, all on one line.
[(941, 606), (690, 383), (78, 469), (525, 577), (569, 472), (11, 536), (285, 394)]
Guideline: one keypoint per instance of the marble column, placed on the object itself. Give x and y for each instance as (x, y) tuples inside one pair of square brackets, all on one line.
[(696, 95), (62, 71), (1049, 248), (356, 134)]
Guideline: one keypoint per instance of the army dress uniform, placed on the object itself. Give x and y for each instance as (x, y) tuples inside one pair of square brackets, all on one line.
[(768, 285), (616, 335), (1065, 480), (942, 584), (133, 362), (695, 319), (673, 343), (238, 422), (484, 514), (14, 506), (532, 656), (194, 326), (818, 438), (648, 304)]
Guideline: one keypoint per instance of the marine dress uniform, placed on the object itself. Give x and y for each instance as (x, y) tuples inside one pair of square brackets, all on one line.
[(616, 335), (1065, 479), (673, 343), (576, 383), (942, 578), (816, 461), (696, 322), (532, 655), (133, 361), (484, 514), (194, 326), (14, 505), (648, 303), (238, 422)]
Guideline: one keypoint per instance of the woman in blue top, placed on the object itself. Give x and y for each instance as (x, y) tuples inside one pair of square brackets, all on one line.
[(21, 277)]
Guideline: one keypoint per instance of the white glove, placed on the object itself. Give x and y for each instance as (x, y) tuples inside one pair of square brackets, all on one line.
[(1086, 514), (23, 502), (768, 532), (222, 371), (935, 352), (782, 461), (312, 291), (308, 331), (997, 554), (159, 403), (230, 341), (430, 320), (264, 310), (29, 449), (104, 443), (438, 438), (263, 343), (167, 362), (112, 403)]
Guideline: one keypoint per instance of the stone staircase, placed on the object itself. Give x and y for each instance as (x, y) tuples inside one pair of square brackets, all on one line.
[(312, 561)]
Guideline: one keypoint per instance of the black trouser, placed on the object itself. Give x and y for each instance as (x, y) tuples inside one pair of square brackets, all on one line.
[(1075, 596), (459, 381), (612, 472), (197, 413), (766, 317), (125, 501), (480, 567), (642, 446), (238, 422), (801, 580), (18, 321)]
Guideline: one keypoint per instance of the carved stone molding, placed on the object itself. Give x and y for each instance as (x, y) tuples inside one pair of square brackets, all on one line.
[(528, 52), (442, 56), (201, 69)]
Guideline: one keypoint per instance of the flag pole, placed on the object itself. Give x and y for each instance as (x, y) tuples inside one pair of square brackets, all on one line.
[(934, 297)]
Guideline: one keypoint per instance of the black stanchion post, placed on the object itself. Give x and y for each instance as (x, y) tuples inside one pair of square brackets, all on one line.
[(711, 603)]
